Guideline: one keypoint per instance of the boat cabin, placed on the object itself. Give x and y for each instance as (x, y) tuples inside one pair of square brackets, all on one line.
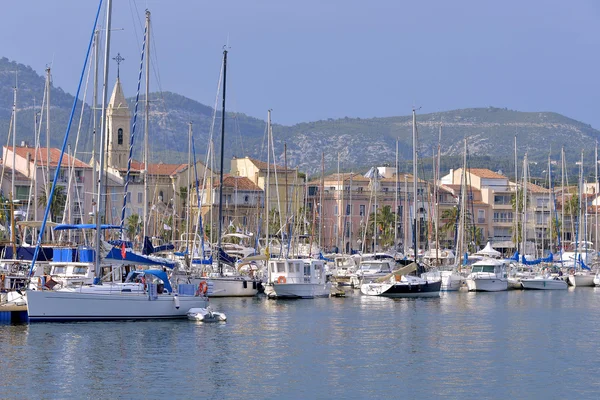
[(296, 271), (376, 267)]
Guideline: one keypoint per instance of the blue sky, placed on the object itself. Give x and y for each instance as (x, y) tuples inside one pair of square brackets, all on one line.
[(318, 59)]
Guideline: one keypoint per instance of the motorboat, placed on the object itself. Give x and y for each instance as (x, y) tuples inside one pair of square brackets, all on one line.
[(544, 282), (371, 270), (488, 275), (297, 278), (401, 284)]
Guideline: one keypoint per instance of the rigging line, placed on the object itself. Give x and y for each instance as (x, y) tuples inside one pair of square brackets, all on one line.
[(74, 155), (7, 144), (64, 145), (132, 137)]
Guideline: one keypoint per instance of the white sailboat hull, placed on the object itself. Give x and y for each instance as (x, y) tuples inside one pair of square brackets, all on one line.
[(581, 280), (451, 281), (301, 290), (544, 284), (47, 305), (487, 284), (230, 286)]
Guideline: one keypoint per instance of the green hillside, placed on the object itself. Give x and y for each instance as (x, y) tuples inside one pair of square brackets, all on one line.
[(360, 143)]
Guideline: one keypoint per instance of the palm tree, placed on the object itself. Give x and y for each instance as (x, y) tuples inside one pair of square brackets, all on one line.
[(385, 222), (59, 200), (133, 225)]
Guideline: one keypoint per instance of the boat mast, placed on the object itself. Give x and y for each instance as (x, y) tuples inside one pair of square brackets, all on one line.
[(436, 198), (102, 138), (220, 224), (396, 201), (351, 221), (341, 205), (562, 200), (516, 228), (322, 189), (596, 192), (268, 184), (14, 140), (48, 134), (188, 194), (524, 223), (415, 223), (375, 177), (405, 216), (94, 112), (286, 225), (146, 130)]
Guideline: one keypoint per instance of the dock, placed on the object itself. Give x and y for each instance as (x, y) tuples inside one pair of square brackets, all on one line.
[(13, 313)]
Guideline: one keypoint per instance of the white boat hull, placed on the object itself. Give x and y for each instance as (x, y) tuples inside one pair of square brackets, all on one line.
[(301, 290), (514, 283), (487, 285), (48, 305), (451, 281), (230, 286), (581, 280), (544, 284)]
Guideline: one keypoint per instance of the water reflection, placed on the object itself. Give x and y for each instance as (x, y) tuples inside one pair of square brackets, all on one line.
[(468, 345)]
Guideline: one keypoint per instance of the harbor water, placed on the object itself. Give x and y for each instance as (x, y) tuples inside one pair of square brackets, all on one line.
[(518, 344)]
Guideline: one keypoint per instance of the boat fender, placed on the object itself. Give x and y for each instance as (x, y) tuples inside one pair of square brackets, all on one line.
[(281, 279), (176, 300), (202, 288)]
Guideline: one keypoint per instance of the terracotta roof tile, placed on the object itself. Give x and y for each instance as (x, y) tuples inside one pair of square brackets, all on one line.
[(486, 173), (533, 188), (54, 156), (157, 169), (239, 182)]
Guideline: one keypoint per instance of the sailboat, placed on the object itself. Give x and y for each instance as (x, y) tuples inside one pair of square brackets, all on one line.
[(400, 283), (145, 294), (232, 283)]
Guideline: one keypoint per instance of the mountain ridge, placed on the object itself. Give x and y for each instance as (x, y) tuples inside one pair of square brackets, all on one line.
[(360, 142)]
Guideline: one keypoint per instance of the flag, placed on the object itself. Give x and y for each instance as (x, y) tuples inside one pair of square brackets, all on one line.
[(166, 227), (123, 251)]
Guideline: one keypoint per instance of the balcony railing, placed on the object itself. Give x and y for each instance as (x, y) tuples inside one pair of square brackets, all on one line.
[(504, 220)]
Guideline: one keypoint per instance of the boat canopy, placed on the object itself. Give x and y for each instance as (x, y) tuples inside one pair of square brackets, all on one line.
[(489, 251), (64, 227), (162, 276), (36, 224)]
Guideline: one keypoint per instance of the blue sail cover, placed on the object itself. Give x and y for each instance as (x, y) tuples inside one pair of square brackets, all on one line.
[(203, 261), (322, 257), (583, 264), (149, 248), (537, 261), (226, 258), (515, 256), (138, 259), (120, 242)]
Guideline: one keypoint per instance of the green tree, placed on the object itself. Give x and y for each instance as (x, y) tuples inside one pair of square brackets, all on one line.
[(133, 225), (59, 200)]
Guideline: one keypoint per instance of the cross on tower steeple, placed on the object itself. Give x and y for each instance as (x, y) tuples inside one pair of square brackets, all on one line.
[(119, 60)]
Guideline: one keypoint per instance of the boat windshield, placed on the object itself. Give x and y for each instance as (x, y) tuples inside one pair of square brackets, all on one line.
[(368, 266), (482, 268)]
